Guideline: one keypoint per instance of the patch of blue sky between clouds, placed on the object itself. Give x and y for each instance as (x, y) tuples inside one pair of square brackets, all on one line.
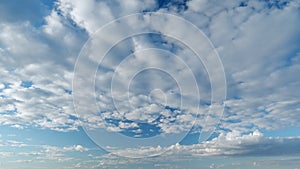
[(33, 11), (26, 84)]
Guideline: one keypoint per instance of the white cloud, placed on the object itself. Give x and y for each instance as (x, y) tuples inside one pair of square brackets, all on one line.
[(227, 144), (87, 15), (12, 143), (259, 52), (260, 56), (39, 153), (242, 36), (75, 148), (6, 154), (44, 58)]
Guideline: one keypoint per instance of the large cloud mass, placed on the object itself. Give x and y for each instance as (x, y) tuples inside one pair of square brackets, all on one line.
[(258, 42)]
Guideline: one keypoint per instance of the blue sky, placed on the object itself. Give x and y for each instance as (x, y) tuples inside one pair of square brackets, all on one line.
[(194, 84)]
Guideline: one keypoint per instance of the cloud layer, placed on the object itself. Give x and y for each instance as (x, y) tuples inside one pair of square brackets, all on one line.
[(258, 42)]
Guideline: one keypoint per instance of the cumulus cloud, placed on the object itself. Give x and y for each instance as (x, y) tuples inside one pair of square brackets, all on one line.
[(226, 144), (253, 53), (94, 14), (34, 55), (55, 149), (247, 49), (259, 52)]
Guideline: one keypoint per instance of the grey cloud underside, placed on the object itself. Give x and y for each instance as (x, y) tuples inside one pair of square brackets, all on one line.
[(258, 42)]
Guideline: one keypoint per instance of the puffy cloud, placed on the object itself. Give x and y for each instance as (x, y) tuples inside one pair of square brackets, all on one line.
[(226, 144), (260, 62), (242, 33), (259, 52), (65, 149), (45, 58), (93, 14)]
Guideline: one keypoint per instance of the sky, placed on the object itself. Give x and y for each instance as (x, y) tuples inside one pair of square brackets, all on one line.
[(150, 84)]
